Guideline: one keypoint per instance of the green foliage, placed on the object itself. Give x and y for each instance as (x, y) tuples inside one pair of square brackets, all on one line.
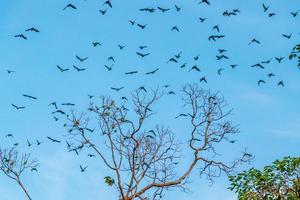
[(295, 54), (277, 181), (109, 180)]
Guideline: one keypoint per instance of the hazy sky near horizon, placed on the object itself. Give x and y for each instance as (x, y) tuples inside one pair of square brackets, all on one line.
[(268, 115)]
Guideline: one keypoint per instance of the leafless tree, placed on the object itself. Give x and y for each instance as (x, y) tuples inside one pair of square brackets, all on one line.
[(145, 161), (13, 165)]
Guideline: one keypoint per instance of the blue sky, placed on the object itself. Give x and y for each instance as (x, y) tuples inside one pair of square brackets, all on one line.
[(268, 116)]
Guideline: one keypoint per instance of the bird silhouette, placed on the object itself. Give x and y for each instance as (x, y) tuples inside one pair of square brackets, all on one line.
[(214, 37), (78, 69), (205, 2), (220, 70), (163, 9), (254, 40), (203, 79), (177, 8), (82, 169), (142, 54), (95, 44), (142, 26), (81, 59), (32, 30), (21, 36), (152, 72), (18, 107), (117, 89), (287, 36), (108, 3), (29, 96), (53, 140), (272, 14), (279, 59), (61, 69), (271, 75), (195, 68), (294, 14), (202, 19), (280, 83), (109, 68), (175, 28), (132, 22), (103, 11), (70, 6), (131, 72), (260, 82), (265, 7), (10, 71)]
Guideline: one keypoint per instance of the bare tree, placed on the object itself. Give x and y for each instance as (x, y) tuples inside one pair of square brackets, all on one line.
[(13, 166), (145, 161)]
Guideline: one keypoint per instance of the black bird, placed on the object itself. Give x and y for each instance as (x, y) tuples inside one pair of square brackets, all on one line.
[(203, 79), (181, 115), (142, 47), (177, 56), (172, 60), (202, 19), (220, 70), (95, 44), (175, 28), (267, 61), (279, 59), (163, 9), (271, 75), (10, 71), (70, 6), (177, 8), (53, 140), (195, 68), (233, 66), (53, 104), (171, 93), (108, 67), (78, 69), (221, 56), (294, 14), (108, 3), (142, 88), (28, 143), (280, 83), (216, 27), (265, 7), (68, 104), (59, 111), (196, 57), (103, 11), (91, 155), (33, 30), (142, 54), (214, 37), (183, 65), (142, 26), (30, 97), (150, 10), (21, 36), (61, 69), (260, 82), (132, 22), (121, 47), (222, 50), (82, 169), (81, 59), (272, 14), (152, 72), (117, 89), (205, 2), (287, 36), (9, 135), (124, 98), (131, 72), (111, 58), (18, 107), (254, 40), (258, 65), (33, 169)]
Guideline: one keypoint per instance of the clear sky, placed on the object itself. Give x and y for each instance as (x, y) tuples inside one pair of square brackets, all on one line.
[(268, 115)]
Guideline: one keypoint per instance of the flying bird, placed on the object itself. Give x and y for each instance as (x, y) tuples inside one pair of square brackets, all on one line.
[(21, 36), (18, 107), (32, 30), (70, 6), (29, 96), (53, 140), (81, 59)]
